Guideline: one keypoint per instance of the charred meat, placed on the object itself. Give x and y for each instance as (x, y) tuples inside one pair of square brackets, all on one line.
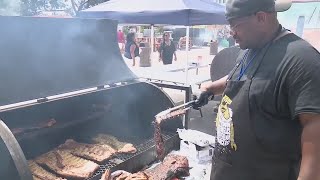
[(121, 147), (67, 165), (138, 176), (123, 175), (95, 152), (158, 139), (40, 173), (173, 166)]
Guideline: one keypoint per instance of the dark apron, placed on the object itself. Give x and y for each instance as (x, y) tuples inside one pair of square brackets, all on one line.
[(238, 154)]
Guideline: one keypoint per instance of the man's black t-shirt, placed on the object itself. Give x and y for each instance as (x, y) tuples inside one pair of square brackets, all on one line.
[(285, 83)]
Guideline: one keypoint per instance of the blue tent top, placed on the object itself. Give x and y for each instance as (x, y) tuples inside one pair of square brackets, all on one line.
[(173, 12)]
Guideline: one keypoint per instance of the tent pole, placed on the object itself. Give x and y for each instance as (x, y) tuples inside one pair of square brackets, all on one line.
[(152, 38), (187, 51)]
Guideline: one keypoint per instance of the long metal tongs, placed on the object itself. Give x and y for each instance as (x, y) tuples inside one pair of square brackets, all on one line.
[(175, 111)]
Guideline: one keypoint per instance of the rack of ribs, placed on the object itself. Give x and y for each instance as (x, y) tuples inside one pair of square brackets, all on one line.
[(95, 152), (123, 175), (158, 139), (40, 173), (66, 164), (171, 167), (121, 147)]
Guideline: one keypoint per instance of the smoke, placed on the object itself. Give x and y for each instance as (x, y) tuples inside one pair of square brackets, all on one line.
[(10, 7)]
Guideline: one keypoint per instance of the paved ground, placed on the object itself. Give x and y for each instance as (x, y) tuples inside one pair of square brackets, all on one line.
[(159, 71)]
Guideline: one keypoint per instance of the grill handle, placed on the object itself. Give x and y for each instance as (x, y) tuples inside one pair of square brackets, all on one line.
[(15, 151)]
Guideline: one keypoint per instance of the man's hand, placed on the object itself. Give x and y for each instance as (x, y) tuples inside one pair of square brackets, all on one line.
[(203, 99), (175, 58)]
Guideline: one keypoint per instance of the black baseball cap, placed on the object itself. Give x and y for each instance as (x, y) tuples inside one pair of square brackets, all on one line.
[(242, 8)]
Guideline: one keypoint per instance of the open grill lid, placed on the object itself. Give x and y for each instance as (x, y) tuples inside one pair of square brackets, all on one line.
[(41, 57)]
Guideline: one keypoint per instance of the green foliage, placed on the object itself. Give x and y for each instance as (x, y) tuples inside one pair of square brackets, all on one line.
[(35, 7)]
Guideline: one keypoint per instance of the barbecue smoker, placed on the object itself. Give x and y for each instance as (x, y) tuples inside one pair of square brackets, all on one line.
[(70, 71)]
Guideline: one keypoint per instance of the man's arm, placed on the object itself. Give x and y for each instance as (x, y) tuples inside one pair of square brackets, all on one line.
[(310, 144), (217, 87)]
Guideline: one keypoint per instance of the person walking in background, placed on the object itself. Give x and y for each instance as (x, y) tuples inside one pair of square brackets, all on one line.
[(131, 48), (167, 50), (121, 40)]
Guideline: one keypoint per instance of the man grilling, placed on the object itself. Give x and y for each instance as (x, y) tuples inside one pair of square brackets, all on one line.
[(268, 122)]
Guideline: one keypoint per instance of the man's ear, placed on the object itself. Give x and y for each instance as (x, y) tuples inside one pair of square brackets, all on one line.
[(261, 17)]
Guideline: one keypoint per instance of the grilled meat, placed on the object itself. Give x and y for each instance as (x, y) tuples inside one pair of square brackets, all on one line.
[(171, 167), (127, 148), (160, 149), (95, 152), (138, 176), (122, 176), (170, 115), (35, 178), (106, 175), (67, 165), (121, 147), (39, 173), (42, 125), (119, 174)]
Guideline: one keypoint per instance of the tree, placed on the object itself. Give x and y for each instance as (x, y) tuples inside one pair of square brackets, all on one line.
[(72, 7), (78, 5), (35, 7)]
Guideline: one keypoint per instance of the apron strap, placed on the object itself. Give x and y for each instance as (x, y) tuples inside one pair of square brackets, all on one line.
[(282, 33)]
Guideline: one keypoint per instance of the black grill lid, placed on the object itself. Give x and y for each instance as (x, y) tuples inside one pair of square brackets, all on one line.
[(40, 56)]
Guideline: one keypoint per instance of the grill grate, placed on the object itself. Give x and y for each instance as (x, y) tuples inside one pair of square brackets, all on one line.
[(120, 158)]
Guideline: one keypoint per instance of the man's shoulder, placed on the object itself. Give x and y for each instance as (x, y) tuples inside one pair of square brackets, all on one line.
[(299, 57), (299, 48)]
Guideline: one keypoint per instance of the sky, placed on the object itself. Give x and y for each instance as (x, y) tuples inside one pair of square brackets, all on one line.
[(9, 7), (310, 10)]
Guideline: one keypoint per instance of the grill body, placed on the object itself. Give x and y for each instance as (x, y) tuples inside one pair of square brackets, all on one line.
[(71, 70)]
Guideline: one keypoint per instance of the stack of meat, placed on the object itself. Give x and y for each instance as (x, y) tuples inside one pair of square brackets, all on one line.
[(77, 160), (172, 167)]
